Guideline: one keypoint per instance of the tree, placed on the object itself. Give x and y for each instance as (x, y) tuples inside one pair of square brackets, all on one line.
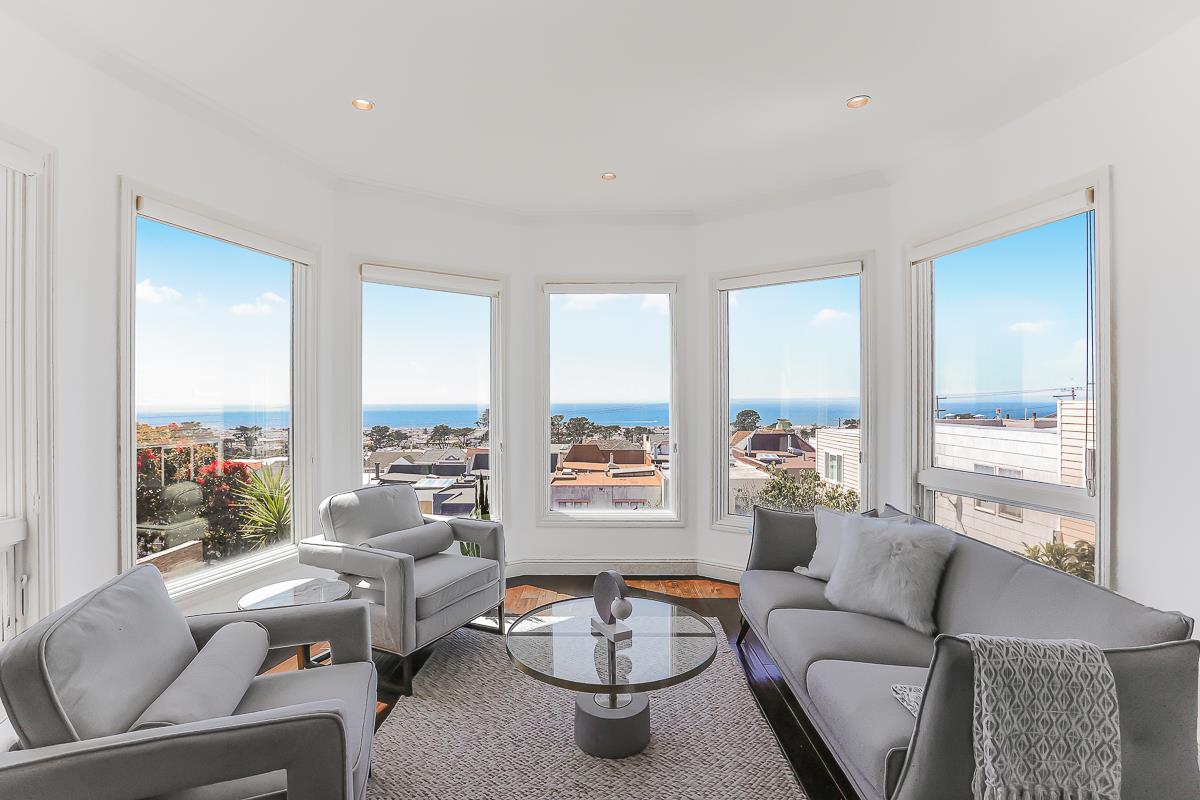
[(558, 432), (746, 420), (440, 434), (607, 431), (579, 428), (247, 435), (485, 419), (849, 423), (380, 437), (637, 433), (461, 434), (785, 492)]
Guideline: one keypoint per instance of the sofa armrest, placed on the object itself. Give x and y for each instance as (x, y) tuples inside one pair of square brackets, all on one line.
[(487, 534), (309, 741), (345, 624), (781, 540)]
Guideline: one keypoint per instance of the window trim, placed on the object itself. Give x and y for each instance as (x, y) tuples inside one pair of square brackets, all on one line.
[(860, 264), (138, 199), (33, 527), (1091, 192), (443, 280), (674, 515)]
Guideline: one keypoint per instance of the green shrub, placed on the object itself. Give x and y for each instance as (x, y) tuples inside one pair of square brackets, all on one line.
[(1078, 558)]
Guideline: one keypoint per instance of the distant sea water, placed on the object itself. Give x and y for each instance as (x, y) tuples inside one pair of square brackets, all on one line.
[(806, 411)]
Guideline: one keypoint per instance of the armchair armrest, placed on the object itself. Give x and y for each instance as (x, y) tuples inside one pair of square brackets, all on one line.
[(487, 534), (394, 569), (345, 624), (309, 741)]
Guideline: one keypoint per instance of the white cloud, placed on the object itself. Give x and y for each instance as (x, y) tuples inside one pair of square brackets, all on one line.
[(660, 303), (1030, 327), (147, 292), (828, 316), (261, 305)]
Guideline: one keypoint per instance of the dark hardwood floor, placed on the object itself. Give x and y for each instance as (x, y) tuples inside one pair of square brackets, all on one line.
[(811, 761)]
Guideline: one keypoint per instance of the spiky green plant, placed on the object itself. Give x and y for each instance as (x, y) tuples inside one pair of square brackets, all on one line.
[(265, 507)]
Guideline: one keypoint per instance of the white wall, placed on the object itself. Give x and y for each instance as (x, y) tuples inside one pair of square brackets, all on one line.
[(1132, 118), (1140, 119)]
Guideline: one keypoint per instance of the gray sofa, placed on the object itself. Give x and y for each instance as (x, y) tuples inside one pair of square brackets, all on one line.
[(841, 665), (119, 696)]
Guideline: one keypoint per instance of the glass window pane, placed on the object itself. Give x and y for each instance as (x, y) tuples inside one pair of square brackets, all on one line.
[(1013, 354), (1057, 540), (610, 396), (794, 396), (426, 372), (212, 378)]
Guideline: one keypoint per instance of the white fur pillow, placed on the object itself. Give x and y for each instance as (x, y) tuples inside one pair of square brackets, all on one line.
[(891, 571)]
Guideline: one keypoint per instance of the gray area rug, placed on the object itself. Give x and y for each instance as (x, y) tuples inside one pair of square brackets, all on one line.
[(476, 728)]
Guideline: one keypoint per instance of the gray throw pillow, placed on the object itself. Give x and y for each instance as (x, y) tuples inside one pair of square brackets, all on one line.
[(891, 568), (419, 542), (831, 530)]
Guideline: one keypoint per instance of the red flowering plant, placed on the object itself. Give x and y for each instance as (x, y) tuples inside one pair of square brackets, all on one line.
[(220, 482)]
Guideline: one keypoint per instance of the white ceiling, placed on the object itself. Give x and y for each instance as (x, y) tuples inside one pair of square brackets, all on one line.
[(696, 104)]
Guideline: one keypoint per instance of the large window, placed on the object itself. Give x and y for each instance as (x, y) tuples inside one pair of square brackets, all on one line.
[(609, 409), (429, 416), (790, 389), (1010, 425), (216, 318)]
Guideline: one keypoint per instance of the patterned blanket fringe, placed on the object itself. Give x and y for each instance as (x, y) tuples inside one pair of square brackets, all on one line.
[(1031, 792)]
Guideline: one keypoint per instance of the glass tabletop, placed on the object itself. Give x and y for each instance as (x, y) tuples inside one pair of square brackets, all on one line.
[(299, 592), (555, 644)]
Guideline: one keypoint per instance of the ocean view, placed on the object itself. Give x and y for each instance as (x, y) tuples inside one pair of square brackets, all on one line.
[(800, 411)]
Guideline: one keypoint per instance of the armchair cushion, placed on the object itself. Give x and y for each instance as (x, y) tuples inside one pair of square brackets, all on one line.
[(214, 683), (419, 542), (353, 517), (442, 580), (93, 666)]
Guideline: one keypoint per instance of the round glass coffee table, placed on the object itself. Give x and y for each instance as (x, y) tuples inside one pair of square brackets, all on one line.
[(297, 592), (666, 644)]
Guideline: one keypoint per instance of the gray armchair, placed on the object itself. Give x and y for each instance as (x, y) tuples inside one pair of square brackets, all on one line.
[(118, 695), (378, 541)]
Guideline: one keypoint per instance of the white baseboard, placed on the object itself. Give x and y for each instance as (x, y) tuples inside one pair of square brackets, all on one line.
[(590, 566)]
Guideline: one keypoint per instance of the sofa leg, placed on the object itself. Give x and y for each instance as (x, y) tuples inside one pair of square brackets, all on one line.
[(742, 633), (406, 676)]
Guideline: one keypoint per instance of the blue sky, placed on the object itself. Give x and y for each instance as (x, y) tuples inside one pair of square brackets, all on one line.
[(422, 346), (213, 322), (1011, 314), (796, 340)]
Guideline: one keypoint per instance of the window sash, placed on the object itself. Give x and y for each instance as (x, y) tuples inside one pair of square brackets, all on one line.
[(722, 512), (999, 491), (551, 514), (457, 283)]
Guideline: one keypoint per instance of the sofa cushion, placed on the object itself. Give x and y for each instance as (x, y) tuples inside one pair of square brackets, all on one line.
[(764, 590), (856, 706), (800, 637), (419, 542), (989, 590), (444, 579), (216, 680), (90, 668), (354, 517), (352, 684)]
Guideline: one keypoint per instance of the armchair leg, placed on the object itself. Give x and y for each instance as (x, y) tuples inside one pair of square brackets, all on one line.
[(742, 633), (500, 618), (406, 676)]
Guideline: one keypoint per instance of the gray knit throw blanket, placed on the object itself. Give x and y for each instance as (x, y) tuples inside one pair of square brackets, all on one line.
[(1045, 723)]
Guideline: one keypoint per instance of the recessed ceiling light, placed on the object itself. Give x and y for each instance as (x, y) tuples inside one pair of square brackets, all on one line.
[(858, 101), (608, 176), (362, 103)]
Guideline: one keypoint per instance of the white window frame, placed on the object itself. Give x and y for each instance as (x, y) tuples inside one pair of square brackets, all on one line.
[(491, 287), (832, 458), (140, 200), (1089, 193), (671, 516), (26, 391), (858, 264)]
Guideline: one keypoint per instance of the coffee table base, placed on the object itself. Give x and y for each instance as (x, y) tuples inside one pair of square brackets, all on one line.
[(612, 732)]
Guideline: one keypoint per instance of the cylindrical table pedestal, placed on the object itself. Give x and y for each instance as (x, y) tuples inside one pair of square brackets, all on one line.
[(612, 732)]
